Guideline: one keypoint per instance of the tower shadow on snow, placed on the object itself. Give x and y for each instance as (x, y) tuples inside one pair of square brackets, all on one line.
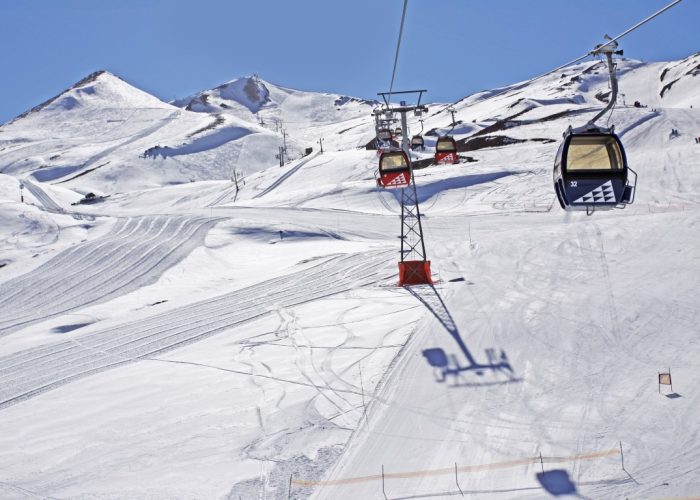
[(429, 189), (445, 364)]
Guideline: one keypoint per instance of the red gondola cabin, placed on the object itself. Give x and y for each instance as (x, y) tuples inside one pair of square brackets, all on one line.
[(394, 169), (446, 150)]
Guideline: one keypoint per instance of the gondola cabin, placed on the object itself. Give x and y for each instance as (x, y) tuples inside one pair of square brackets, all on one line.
[(417, 142), (394, 169), (384, 134), (591, 171), (446, 150)]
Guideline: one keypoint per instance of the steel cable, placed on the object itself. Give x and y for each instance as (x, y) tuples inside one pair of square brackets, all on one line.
[(398, 47), (588, 54)]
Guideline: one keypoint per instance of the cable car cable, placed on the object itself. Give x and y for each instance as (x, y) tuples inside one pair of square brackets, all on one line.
[(398, 47), (640, 23), (588, 54)]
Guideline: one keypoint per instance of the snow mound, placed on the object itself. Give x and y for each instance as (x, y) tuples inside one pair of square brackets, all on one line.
[(205, 143)]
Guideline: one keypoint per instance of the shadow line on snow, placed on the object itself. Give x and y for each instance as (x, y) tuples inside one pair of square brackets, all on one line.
[(427, 190), (457, 493)]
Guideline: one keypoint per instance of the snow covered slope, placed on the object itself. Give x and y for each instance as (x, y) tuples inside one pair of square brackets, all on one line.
[(248, 94), (210, 339), (305, 117), (104, 134)]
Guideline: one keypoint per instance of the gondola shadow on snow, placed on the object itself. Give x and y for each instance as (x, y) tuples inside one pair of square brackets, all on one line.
[(447, 365), (558, 483), (69, 328)]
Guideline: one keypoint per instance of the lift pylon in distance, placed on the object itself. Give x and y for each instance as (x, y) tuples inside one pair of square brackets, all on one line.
[(414, 267), (590, 169)]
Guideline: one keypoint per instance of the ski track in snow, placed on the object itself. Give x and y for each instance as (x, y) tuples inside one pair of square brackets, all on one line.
[(131, 139), (131, 256), (41, 195), (34, 371), (285, 176)]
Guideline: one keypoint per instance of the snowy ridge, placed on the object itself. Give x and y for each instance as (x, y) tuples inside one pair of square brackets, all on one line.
[(104, 134), (248, 92), (102, 83)]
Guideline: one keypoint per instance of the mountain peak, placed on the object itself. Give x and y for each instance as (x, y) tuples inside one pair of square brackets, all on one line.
[(247, 91), (92, 77), (98, 88)]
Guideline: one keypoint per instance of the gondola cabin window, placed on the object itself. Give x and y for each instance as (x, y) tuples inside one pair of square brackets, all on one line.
[(384, 134), (393, 162), (593, 153), (444, 145)]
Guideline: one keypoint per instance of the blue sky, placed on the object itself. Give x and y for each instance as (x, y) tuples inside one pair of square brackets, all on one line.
[(172, 48)]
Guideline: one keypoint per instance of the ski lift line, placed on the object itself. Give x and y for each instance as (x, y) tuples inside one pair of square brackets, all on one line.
[(590, 53), (612, 41), (640, 23), (398, 47)]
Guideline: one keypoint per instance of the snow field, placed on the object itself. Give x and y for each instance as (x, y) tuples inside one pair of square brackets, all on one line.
[(229, 355)]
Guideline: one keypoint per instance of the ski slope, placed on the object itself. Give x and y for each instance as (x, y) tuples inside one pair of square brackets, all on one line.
[(133, 254), (67, 361), (184, 338)]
